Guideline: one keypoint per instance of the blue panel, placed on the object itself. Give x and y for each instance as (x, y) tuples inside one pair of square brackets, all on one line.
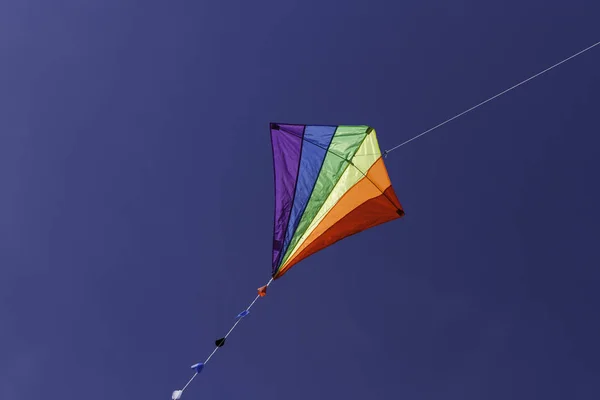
[(198, 367), (314, 148)]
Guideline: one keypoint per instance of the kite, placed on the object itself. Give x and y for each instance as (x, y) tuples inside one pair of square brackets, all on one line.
[(330, 183)]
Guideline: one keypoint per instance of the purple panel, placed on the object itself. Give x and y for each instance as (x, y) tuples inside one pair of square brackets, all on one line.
[(287, 144)]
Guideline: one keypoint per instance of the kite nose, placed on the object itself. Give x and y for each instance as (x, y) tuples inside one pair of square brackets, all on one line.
[(220, 342)]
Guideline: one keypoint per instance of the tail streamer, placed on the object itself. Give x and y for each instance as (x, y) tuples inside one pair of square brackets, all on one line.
[(262, 291)]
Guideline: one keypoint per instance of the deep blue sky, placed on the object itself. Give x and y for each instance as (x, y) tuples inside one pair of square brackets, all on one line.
[(137, 200)]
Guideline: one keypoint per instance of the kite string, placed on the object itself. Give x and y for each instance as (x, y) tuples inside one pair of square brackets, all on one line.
[(491, 98), (190, 381), (228, 333)]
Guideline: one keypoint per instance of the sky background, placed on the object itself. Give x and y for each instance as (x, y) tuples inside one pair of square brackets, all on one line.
[(136, 202)]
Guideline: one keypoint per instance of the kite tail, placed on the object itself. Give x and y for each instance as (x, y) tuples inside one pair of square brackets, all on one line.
[(262, 291)]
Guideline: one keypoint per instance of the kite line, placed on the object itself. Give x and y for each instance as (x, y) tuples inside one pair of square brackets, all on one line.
[(491, 98), (220, 342)]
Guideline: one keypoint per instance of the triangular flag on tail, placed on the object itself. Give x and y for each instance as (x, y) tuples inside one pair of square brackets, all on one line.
[(262, 291), (198, 367)]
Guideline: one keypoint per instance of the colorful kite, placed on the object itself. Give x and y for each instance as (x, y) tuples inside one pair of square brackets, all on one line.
[(330, 183)]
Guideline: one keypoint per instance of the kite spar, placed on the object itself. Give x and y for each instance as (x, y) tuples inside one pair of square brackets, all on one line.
[(330, 183)]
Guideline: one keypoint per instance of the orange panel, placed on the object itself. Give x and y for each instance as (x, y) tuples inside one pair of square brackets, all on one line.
[(373, 212), (358, 194), (379, 176)]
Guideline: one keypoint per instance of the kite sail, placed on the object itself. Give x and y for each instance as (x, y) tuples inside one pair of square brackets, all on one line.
[(330, 183)]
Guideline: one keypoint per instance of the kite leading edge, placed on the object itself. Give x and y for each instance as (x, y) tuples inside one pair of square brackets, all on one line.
[(330, 183)]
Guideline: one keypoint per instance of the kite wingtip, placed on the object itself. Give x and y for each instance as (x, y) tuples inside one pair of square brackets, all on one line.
[(177, 394)]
